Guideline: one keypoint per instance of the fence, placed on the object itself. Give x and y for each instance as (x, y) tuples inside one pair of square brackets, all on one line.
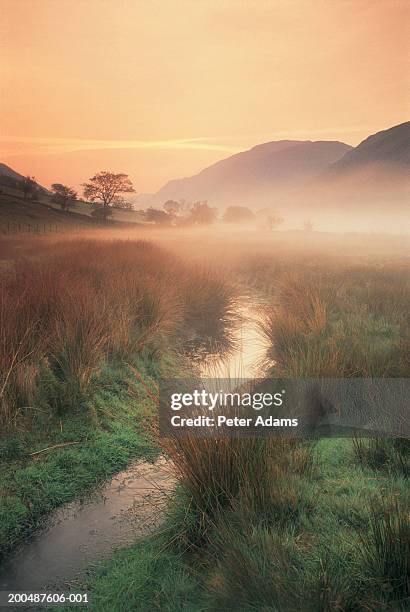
[(40, 228)]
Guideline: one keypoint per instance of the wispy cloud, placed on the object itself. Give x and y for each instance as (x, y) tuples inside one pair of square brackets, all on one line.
[(63, 145)]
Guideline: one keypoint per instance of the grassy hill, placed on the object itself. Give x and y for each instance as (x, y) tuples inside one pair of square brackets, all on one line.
[(42, 216), (19, 215)]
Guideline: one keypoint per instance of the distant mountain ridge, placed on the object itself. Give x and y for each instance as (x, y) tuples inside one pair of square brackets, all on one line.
[(391, 147), (291, 170), (278, 164)]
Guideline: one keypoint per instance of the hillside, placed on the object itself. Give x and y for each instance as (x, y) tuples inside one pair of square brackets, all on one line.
[(20, 216), (259, 173), (10, 173), (390, 148), (15, 209)]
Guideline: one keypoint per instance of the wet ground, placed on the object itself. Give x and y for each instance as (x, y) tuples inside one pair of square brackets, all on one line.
[(130, 506)]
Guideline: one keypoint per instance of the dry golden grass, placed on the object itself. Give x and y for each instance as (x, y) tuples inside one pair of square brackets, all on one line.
[(76, 304)]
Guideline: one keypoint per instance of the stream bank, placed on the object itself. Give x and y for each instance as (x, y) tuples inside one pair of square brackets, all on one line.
[(83, 533)]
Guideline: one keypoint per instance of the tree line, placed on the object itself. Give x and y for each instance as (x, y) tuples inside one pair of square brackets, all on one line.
[(108, 190)]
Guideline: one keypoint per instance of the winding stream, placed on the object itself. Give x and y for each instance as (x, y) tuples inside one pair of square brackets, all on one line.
[(131, 505)]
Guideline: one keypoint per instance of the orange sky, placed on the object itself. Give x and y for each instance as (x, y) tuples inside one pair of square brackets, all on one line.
[(161, 88)]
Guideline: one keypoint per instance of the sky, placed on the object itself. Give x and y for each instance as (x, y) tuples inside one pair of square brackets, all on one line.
[(159, 89)]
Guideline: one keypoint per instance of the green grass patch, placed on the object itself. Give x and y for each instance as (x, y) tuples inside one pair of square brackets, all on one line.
[(332, 555), (112, 431)]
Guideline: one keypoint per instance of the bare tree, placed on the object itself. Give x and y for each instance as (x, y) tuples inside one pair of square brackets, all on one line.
[(107, 187)]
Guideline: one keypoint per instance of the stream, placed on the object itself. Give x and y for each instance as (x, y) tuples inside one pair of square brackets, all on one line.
[(131, 505)]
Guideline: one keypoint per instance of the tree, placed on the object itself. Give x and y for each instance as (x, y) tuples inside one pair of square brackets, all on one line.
[(29, 186), (63, 195), (202, 214), (172, 207), (238, 214), (157, 216), (107, 187)]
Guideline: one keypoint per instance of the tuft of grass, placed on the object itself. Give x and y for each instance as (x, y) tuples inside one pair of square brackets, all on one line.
[(385, 548), (392, 454), (253, 476)]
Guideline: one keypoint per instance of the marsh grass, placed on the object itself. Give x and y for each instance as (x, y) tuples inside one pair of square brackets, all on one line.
[(281, 532), (392, 454), (385, 547), (79, 304), (258, 479), (335, 322), (257, 523)]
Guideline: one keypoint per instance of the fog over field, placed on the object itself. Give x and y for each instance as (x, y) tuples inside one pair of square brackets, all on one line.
[(204, 305)]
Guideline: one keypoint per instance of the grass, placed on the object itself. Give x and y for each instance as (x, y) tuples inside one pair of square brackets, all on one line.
[(386, 454), (330, 555), (257, 524), (81, 304), (24, 216), (104, 443), (340, 322), (87, 327), (269, 525)]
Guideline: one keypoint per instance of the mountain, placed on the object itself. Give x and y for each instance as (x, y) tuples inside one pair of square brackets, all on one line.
[(390, 148), (373, 174), (10, 173), (256, 175)]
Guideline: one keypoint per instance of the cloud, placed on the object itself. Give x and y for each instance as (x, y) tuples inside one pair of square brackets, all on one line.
[(49, 146)]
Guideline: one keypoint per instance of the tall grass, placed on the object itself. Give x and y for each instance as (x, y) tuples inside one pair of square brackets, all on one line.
[(392, 454), (386, 547), (255, 478), (249, 497), (339, 322), (77, 304)]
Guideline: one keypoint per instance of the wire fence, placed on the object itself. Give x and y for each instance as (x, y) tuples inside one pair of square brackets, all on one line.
[(12, 227)]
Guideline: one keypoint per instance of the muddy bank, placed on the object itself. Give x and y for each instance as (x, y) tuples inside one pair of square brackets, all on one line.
[(80, 533)]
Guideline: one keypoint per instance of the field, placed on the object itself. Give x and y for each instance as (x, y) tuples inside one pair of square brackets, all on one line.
[(89, 326)]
